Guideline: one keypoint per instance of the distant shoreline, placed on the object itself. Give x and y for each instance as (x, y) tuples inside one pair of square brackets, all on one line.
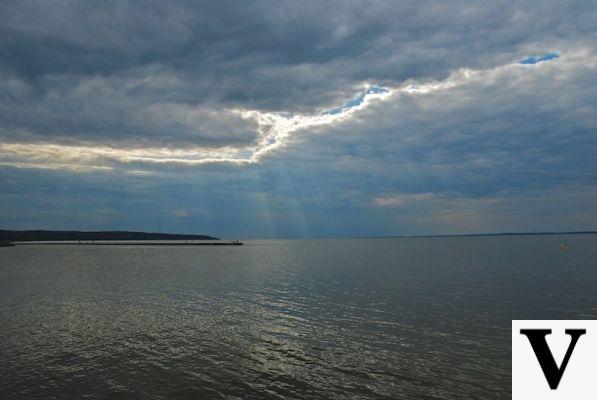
[(483, 234), (53, 236), (127, 243)]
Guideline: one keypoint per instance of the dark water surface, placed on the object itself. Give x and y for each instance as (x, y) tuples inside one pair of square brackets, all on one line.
[(413, 318)]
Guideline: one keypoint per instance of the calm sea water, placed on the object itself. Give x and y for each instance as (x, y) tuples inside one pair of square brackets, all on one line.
[(413, 318)]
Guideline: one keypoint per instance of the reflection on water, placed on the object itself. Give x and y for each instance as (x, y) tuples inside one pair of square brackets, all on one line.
[(394, 318)]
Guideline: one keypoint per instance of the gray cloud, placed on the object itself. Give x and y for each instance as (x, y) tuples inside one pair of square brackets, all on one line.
[(88, 68), (123, 101)]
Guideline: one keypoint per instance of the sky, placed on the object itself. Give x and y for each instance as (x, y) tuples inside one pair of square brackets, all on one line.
[(299, 119)]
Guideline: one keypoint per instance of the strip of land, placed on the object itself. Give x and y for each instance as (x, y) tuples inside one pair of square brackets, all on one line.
[(51, 236), (483, 234), (126, 243)]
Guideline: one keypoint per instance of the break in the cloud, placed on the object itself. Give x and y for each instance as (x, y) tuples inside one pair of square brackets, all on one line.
[(538, 59), (264, 131), (270, 131), (294, 119)]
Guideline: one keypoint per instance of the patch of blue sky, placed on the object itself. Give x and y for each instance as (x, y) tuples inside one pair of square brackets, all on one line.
[(538, 59), (357, 101)]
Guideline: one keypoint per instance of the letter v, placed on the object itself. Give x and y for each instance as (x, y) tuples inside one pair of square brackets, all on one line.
[(552, 373)]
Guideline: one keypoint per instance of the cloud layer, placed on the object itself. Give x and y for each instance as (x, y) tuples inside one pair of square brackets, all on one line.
[(349, 119)]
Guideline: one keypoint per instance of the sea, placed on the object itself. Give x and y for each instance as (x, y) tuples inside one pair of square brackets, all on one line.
[(388, 318)]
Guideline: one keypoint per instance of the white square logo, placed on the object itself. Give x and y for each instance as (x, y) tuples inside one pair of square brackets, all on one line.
[(554, 359)]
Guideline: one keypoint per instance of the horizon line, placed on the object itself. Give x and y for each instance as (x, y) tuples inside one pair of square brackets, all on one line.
[(523, 233)]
